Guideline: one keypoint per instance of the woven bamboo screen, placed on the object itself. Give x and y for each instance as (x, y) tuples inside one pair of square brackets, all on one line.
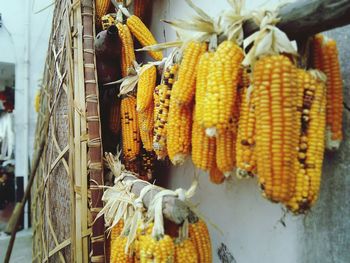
[(66, 196)]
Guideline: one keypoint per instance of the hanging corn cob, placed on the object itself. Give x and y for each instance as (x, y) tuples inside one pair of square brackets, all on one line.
[(311, 144), (222, 87), (146, 125), (274, 80), (199, 234), (118, 254), (101, 9), (185, 251), (156, 250), (184, 86), (142, 9), (162, 103), (179, 132), (130, 129), (145, 87), (114, 116), (107, 21), (245, 155), (128, 53), (115, 233), (325, 58), (226, 149), (143, 35)]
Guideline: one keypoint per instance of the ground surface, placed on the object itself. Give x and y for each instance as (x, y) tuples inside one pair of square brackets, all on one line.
[(22, 251)]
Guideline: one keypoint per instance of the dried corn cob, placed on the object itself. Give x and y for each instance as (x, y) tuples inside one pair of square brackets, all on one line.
[(179, 132), (274, 80), (152, 250), (145, 87), (115, 233), (226, 150), (317, 54), (143, 35), (203, 148), (215, 175), (199, 234), (245, 155), (118, 254), (128, 53), (114, 116), (162, 102), (311, 145), (130, 129), (222, 87), (185, 252), (184, 86), (202, 85), (101, 9), (334, 114), (146, 124), (142, 9), (107, 21)]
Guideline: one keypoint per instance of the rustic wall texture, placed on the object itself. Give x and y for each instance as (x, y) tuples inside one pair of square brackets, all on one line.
[(326, 235)]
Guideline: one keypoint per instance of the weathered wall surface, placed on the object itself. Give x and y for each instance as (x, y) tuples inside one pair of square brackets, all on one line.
[(326, 235), (253, 229)]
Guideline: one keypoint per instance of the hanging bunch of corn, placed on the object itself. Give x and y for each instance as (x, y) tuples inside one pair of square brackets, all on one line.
[(162, 95), (325, 58), (130, 129), (311, 142)]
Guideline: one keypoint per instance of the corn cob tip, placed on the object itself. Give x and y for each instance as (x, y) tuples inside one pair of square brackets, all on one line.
[(179, 159), (331, 144), (211, 132), (241, 173), (228, 174)]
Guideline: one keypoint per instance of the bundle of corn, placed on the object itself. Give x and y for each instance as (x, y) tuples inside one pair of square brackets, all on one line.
[(325, 58)]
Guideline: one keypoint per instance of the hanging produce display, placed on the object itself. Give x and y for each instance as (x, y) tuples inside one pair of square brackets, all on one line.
[(237, 105)]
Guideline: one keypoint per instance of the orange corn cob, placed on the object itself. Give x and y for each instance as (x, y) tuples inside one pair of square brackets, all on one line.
[(215, 175), (199, 234), (145, 87), (274, 80), (143, 35), (130, 129), (128, 53), (184, 86)]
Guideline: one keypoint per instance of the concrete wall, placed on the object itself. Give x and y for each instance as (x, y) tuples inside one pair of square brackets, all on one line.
[(24, 42), (253, 229)]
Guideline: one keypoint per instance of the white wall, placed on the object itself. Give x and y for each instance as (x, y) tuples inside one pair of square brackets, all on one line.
[(24, 41), (249, 225)]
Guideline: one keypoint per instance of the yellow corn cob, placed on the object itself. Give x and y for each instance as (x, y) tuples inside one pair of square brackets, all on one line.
[(215, 175), (185, 252), (179, 132), (245, 155), (145, 87), (311, 145), (128, 53), (334, 114), (143, 35), (101, 9), (203, 148), (184, 86), (162, 102), (201, 85), (274, 80), (118, 254), (222, 87), (114, 116), (152, 250), (146, 124), (226, 149), (115, 233), (130, 129), (199, 234), (147, 165), (107, 21)]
